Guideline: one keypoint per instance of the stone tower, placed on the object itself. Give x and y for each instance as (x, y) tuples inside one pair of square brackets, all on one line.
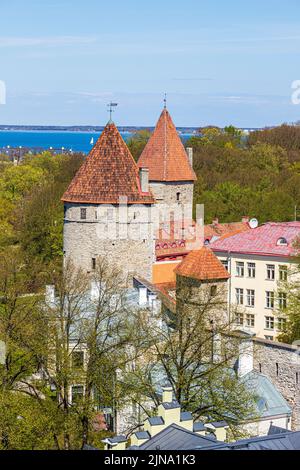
[(107, 210), (171, 175)]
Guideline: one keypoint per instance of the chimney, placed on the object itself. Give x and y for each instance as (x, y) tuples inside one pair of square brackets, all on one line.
[(144, 179), (167, 396), (189, 152), (215, 221), (245, 361), (142, 295), (245, 219), (50, 295)]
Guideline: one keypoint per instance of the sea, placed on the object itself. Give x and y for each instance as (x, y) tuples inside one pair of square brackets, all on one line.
[(54, 140)]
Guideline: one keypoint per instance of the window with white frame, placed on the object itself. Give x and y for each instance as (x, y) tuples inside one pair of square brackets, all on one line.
[(271, 272), (239, 295), (269, 323), (250, 320), (270, 338), (270, 299), (77, 359), (282, 300), (240, 269), (251, 269), (250, 297), (239, 319), (281, 324), (283, 273), (225, 263), (77, 393)]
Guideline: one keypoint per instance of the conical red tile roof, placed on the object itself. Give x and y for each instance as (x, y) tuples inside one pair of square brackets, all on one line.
[(165, 155), (202, 265), (108, 173)]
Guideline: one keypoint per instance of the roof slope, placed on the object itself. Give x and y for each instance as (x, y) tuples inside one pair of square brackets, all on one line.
[(165, 155), (282, 441), (108, 173), (202, 265), (262, 240), (175, 437)]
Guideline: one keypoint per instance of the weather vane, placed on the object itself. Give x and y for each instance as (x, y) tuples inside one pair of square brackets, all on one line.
[(110, 108), (165, 101)]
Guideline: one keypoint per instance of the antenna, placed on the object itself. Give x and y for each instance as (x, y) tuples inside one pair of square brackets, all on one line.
[(165, 101), (110, 109)]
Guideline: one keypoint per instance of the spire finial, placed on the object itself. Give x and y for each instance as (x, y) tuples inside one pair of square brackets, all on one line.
[(110, 106), (165, 101)]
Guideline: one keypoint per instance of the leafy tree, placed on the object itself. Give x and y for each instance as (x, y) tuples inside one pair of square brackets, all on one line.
[(137, 142)]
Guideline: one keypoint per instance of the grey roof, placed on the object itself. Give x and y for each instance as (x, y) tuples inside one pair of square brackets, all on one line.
[(116, 439), (185, 416), (171, 405), (199, 426), (142, 435), (282, 441), (156, 420), (88, 447), (269, 401), (219, 424), (276, 430), (175, 437)]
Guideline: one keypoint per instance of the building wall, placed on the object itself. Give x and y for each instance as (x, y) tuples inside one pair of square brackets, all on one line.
[(261, 428), (123, 234), (165, 193), (260, 284), (281, 364)]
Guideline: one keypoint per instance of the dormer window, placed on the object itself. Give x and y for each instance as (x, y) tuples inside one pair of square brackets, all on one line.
[(282, 241)]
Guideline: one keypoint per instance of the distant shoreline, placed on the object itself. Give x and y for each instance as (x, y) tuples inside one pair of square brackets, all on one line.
[(130, 129)]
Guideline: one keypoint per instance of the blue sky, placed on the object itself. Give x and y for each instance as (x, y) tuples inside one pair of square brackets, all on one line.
[(220, 62)]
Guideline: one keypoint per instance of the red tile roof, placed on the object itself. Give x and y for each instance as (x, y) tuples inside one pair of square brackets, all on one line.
[(202, 265), (219, 230), (108, 173), (165, 155), (262, 240)]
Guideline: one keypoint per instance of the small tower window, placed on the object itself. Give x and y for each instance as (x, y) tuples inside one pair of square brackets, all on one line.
[(277, 369), (94, 263), (178, 196), (83, 213), (213, 291)]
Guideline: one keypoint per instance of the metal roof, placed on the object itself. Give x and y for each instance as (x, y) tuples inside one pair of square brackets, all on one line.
[(175, 437)]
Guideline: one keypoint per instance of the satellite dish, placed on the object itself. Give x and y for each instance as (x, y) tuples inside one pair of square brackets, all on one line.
[(253, 223)]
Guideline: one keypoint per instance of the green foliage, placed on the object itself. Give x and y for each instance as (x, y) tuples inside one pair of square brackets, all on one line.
[(137, 142)]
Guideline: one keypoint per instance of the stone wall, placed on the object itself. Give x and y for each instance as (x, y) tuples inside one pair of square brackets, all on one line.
[(166, 193), (281, 364), (124, 234)]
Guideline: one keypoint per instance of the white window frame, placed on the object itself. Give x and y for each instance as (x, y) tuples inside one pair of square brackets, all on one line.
[(269, 323), (270, 299), (240, 269), (271, 272), (239, 296), (250, 320), (250, 298), (251, 269)]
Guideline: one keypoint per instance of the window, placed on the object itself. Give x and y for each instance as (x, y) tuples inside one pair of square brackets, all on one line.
[(83, 213), (270, 338), (213, 291), (271, 272), (277, 369), (225, 263), (250, 320), (283, 273), (269, 324), (77, 393), (281, 324), (96, 215), (239, 294), (240, 269), (282, 300), (269, 299), (297, 378), (93, 263), (77, 359), (250, 297), (239, 319), (178, 196), (251, 269), (259, 368)]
